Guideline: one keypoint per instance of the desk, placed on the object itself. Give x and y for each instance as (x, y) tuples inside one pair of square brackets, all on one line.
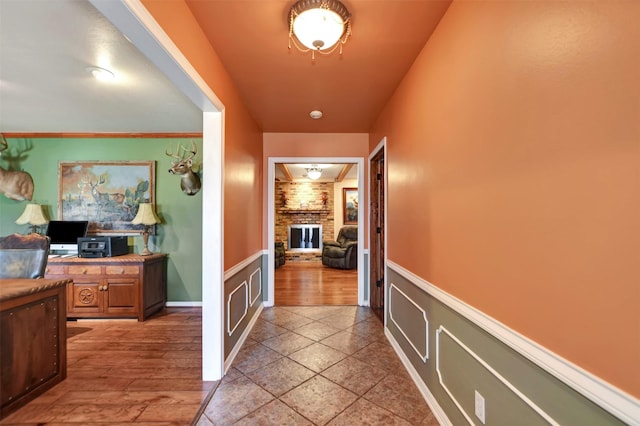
[(33, 330), (128, 286)]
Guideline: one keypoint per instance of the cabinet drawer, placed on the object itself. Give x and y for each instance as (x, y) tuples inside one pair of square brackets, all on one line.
[(84, 270), (122, 270), (54, 270)]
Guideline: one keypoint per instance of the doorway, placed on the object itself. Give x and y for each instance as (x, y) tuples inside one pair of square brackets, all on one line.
[(377, 245), (273, 199)]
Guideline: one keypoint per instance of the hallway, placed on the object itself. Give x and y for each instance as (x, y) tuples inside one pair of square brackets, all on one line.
[(316, 365)]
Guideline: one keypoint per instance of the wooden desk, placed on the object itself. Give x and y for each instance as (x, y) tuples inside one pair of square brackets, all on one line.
[(33, 334), (128, 286)]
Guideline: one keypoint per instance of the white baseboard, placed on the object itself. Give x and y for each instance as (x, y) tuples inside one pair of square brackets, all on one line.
[(183, 304), (438, 412)]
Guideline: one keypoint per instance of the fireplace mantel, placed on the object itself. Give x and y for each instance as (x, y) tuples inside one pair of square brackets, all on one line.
[(303, 211)]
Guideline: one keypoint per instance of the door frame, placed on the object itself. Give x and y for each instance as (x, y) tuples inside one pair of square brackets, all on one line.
[(271, 169), (382, 146)]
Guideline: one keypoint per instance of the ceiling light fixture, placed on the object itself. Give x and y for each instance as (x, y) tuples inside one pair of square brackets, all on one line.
[(319, 26), (314, 173), (101, 74)]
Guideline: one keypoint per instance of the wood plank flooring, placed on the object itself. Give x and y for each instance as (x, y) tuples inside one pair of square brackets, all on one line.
[(149, 373), (311, 283), (127, 372)]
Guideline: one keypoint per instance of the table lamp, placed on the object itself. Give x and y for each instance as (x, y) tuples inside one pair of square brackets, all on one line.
[(32, 215), (146, 216)]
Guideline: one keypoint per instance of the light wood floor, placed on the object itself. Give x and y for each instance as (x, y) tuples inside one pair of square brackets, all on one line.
[(311, 283), (124, 371)]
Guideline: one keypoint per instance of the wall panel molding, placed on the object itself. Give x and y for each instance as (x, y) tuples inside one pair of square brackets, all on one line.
[(497, 375), (230, 330), (252, 300), (425, 355), (435, 407), (612, 399)]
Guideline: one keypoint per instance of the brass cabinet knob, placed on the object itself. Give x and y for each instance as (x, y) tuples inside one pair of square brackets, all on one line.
[(84, 270), (122, 270)]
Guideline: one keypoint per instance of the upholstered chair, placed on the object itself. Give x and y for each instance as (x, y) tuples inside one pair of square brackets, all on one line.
[(23, 256), (343, 252), (280, 254)]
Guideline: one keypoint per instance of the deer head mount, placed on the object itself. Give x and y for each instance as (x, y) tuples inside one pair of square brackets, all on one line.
[(15, 184), (189, 180)]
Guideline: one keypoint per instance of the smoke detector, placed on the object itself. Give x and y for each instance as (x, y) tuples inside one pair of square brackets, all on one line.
[(315, 114)]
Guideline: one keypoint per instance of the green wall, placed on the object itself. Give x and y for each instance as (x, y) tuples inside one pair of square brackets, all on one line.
[(180, 233)]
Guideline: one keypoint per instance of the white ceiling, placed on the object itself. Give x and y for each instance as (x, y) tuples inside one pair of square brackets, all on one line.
[(330, 172), (45, 48)]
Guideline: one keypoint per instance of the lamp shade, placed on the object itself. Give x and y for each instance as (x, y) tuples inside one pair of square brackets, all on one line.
[(32, 215), (146, 215)]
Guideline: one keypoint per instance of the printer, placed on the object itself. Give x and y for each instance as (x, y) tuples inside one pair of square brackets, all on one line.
[(102, 246)]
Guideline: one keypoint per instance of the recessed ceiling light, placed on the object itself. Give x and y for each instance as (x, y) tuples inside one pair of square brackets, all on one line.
[(315, 114), (101, 74)]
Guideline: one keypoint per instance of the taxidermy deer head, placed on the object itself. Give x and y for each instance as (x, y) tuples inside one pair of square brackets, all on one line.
[(189, 181), (14, 184)]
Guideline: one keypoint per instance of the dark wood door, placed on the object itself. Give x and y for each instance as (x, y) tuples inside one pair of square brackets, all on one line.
[(377, 234)]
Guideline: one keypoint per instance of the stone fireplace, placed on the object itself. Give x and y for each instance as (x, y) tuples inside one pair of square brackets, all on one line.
[(308, 205)]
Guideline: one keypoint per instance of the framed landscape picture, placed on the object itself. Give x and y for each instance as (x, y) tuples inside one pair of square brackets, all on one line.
[(107, 194), (350, 205)]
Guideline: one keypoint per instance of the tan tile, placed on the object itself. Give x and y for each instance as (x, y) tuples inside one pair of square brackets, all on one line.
[(363, 412), (379, 355), (354, 375), (371, 327), (263, 330), (253, 357), (274, 413), (340, 322), (317, 357), (280, 376), (346, 342), (398, 394), (234, 400), (287, 343), (318, 399), (316, 331)]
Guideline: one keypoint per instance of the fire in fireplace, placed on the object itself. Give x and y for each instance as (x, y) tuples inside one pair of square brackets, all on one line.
[(305, 237)]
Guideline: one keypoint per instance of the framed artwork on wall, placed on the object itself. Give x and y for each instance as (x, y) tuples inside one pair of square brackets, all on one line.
[(106, 193), (350, 206)]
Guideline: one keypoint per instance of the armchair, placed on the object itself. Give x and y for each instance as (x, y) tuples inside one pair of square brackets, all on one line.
[(23, 256), (342, 253)]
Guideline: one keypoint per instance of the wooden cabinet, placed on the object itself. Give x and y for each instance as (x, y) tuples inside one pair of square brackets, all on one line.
[(33, 331), (129, 286)]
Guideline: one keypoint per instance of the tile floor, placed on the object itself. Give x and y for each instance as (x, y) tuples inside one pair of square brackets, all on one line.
[(316, 365)]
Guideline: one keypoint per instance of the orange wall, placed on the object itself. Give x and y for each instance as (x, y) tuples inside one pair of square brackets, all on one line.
[(243, 138), (513, 159), (312, 145)]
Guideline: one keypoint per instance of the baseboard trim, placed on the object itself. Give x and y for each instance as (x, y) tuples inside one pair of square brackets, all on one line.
[(242, 339), (609, 397), (438, 412), (180, 304)]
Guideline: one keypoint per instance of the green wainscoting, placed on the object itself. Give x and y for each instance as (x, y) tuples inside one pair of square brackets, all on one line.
[(454, 358), (179, 235)]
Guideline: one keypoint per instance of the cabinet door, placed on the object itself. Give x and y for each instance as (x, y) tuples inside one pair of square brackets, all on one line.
[(122, 296), (85, 296)]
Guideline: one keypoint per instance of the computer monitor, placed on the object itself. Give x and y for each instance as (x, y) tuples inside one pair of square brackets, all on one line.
[(64, 234)]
